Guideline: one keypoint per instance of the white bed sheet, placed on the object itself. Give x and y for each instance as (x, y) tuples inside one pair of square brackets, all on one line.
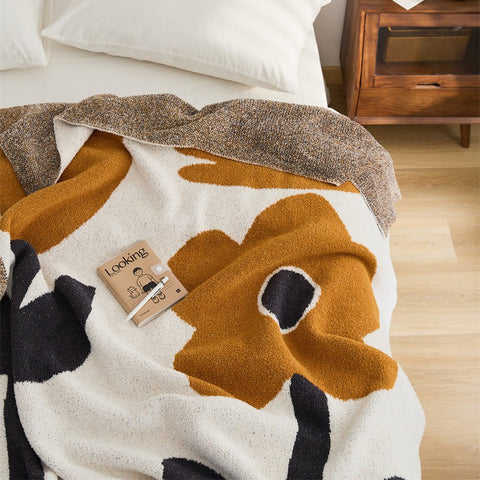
[(73, 74)]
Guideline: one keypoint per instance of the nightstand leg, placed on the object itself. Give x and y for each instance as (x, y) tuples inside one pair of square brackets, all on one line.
[(465, 135)]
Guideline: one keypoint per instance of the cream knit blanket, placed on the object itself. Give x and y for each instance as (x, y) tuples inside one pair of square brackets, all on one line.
[(276, 365)]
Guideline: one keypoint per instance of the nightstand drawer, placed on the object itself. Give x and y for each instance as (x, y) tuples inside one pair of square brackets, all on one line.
[(418, 102)]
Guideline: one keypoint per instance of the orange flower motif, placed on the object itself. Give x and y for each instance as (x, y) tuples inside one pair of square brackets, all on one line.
[(294, 297), (224, 171)]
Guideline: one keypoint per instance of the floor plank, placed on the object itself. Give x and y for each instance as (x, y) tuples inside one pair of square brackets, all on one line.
[(445, 376)]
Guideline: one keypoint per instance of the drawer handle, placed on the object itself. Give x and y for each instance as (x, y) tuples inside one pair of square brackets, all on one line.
[(428, 85)]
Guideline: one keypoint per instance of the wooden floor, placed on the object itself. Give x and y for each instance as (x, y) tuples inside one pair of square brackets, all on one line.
[(435, 331)]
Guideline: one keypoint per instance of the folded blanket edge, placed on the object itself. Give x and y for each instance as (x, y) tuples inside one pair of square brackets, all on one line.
[(313, 142)]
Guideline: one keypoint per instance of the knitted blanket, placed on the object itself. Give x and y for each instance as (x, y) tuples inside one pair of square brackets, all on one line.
[(277, 363)]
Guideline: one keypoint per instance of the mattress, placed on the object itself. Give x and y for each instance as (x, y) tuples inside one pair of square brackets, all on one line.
[(68, 78)]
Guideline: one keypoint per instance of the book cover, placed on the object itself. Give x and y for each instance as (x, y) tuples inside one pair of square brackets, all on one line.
[(134, 273)]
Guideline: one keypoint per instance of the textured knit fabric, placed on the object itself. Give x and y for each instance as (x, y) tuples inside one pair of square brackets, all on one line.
[(276, 365)]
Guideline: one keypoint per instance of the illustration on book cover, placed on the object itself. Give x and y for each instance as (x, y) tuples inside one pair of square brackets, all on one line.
[(143, 285), (146, 283)]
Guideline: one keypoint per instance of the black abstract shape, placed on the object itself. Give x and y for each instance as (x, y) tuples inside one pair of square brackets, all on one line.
[(5, 349), (312, 445), (184, 469), (287, 295), (48, 334), (395, 478), (23, 462)]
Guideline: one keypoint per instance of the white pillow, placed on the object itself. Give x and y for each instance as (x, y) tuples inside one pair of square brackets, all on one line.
[(20, 41), (257, 42)]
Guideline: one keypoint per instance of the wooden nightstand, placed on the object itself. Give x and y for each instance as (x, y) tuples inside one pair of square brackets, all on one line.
[(412, 66)]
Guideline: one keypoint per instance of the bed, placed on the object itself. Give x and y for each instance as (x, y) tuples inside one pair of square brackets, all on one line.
[(271, 209)]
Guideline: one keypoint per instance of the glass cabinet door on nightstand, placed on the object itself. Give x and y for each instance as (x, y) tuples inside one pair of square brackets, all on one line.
[(421, 54), (421, 50)]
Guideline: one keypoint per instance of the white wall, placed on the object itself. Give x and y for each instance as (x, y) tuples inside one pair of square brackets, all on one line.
[(328, 30)]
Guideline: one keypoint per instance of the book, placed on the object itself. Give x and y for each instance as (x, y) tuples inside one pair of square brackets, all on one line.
[(132, 277)]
